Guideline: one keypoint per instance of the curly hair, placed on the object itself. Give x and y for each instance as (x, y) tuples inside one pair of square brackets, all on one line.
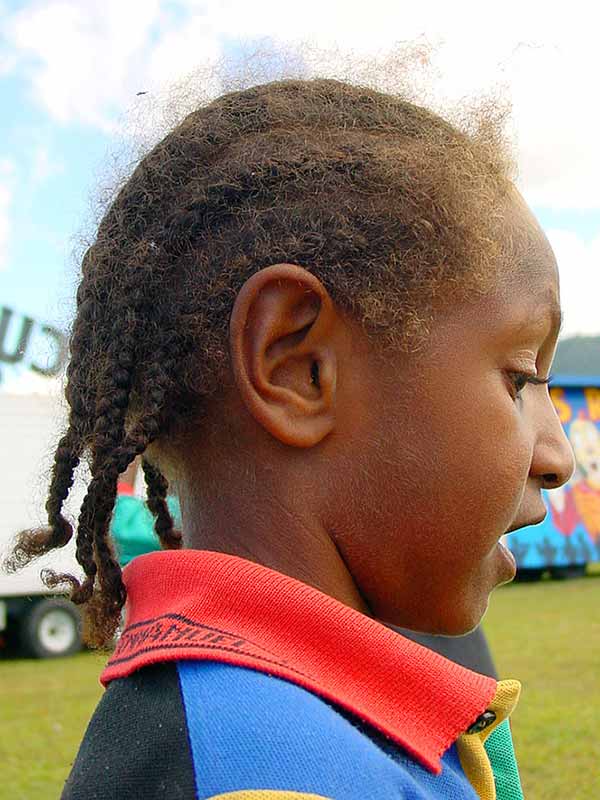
[(391, 206)]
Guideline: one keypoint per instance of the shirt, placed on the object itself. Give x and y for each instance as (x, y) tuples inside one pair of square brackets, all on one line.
[(232, 680), (132, 524)]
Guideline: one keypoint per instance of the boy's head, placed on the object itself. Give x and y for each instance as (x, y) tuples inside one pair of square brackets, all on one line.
[(314, 305)]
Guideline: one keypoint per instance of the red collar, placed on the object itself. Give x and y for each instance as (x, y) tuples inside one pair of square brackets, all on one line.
[(195, 604)]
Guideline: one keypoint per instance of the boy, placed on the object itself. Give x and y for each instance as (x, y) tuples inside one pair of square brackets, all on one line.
[(335, 320)]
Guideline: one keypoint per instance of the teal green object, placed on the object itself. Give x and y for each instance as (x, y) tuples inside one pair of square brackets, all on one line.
[(499, 747), (132, 526)]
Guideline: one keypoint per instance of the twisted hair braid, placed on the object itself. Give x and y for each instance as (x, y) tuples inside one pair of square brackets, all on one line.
[(157, 493), (389, 205), (112, 449)]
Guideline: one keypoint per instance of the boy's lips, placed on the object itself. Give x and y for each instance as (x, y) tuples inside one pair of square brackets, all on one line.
[(535, 521)]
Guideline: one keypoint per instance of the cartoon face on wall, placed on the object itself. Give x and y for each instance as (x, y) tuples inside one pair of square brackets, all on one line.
[(578, 503), (585, 440)]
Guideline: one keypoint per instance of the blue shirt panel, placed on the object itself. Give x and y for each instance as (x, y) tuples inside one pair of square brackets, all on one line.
[(250, 730)]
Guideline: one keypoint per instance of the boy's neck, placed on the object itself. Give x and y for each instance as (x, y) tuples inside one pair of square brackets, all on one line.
[(272, 533)]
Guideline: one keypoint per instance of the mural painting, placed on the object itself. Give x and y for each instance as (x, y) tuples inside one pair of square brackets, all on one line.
[(570, 534)]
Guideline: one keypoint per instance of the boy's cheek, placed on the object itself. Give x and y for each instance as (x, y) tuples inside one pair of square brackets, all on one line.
[(462, 463), (447, 466)]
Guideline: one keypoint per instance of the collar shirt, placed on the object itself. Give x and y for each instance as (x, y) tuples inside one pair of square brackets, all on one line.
[(236, 681)]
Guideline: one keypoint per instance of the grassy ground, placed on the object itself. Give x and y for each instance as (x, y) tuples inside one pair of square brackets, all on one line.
[(545, 634), (45, 706)]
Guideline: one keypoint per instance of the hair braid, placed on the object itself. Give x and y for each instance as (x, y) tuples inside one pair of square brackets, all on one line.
[(157, 485), (66, 460), (31, 544), (94, 551), (113, 451), (159, 377)]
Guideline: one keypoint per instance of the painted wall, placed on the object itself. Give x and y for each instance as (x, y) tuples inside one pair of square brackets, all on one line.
[(570, 534)]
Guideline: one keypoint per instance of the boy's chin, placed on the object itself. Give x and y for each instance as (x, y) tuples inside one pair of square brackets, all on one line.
[(464, 623), (460, 622)]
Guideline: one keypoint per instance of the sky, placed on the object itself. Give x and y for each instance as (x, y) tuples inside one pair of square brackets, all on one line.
[(70, 71)]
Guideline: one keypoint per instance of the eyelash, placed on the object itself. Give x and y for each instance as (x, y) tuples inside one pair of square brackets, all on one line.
[(521, 379)]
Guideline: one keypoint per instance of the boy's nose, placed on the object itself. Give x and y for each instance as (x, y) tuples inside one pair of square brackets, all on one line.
[(553, 460)]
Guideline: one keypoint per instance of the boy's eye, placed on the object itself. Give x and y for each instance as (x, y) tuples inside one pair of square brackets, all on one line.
[(520, 379)]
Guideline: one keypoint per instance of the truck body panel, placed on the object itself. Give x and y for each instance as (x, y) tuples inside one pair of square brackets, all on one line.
[(30, 428)]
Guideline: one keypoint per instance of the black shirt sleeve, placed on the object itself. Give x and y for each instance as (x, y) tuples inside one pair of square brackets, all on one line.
[(136, 744), (471, 651)]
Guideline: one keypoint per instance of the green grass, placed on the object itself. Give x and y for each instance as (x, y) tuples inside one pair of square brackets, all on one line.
[(44, 709), (546, 634)]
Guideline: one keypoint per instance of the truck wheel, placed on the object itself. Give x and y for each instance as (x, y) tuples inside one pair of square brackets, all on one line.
[(566, 573), (529, 574), (50, 629)]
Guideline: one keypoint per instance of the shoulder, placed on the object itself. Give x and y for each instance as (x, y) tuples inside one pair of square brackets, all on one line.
[(252, 729), (206, 729), (136, 743)]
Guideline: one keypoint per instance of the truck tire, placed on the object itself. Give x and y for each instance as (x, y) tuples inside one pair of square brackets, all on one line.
[(529, 574), (50, 629), (568, 572)]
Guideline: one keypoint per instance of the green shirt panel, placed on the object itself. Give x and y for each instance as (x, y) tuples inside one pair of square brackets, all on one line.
[(499, 747), (132, 526)]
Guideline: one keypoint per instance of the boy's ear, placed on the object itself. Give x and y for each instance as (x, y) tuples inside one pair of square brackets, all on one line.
[(283, 356)]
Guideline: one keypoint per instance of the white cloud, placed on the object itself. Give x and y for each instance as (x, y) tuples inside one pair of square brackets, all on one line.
[(558, 124), (579, 266), (8, 62), (87, 61)]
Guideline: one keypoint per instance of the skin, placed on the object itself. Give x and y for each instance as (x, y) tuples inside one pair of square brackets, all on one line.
[(385, 481), (130, 473)]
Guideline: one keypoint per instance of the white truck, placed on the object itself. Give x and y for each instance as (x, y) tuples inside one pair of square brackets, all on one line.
[(44, 623)]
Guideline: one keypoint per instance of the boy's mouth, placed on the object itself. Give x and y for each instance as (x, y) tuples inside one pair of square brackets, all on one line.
[(509, 561), (536, 521)]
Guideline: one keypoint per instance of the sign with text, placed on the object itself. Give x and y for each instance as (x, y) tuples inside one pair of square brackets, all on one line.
[(22, 337)]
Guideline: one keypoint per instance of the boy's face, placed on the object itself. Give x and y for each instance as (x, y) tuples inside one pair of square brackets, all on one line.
[(386, 481), (450, 452)]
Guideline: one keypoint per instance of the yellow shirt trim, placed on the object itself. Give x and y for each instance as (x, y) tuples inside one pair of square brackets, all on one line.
[(473, 757), (267, 794)]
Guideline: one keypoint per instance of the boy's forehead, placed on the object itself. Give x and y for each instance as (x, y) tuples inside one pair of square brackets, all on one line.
[(532, 281), (525, 300), (524, 238), (528, 264), (536, 311)]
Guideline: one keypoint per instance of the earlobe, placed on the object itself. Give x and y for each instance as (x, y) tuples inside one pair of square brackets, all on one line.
[(282, 342)]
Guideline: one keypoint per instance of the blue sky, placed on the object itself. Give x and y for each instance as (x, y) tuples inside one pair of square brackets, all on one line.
[(70, 70)]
